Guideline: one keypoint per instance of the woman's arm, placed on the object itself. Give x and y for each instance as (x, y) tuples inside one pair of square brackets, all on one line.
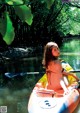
[(62, 83), (70, 74)]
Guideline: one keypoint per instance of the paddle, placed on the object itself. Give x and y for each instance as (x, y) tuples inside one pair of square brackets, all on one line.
[(74, 71), (11, 75)]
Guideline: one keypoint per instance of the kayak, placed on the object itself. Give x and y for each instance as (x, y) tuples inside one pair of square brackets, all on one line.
[(43, 100)]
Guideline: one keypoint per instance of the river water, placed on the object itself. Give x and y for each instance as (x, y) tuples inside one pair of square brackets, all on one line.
[(15, 91)]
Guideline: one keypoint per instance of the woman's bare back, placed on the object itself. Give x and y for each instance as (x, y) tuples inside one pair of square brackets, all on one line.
[(54, 75)]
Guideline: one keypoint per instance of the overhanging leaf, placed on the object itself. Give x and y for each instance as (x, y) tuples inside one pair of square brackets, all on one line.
[(7, 29), (24, 13), (12, 2)]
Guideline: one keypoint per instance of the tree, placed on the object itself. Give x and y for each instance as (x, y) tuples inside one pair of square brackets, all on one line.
[(72, 25), (72, 3), (38, 21)]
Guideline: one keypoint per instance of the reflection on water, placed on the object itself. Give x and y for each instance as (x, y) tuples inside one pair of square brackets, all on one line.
[(16, 101), (15, 92)]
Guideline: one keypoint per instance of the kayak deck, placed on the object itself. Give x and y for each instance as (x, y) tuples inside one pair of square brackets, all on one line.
[(48, 104)]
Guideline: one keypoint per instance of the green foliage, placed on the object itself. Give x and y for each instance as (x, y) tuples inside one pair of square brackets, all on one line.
[(22, 10), (14, 2), (42, 18), (24, 13), (69, 21), (47, 19), (6, 27), (74, 15), (8, 37)]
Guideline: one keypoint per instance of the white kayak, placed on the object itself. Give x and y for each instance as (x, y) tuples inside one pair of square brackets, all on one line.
[(43, 100)]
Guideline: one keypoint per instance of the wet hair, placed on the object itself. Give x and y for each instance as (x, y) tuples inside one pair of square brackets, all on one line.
[(47, 55)]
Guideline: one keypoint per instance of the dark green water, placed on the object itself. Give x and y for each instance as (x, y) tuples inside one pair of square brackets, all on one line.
[(15, 92)]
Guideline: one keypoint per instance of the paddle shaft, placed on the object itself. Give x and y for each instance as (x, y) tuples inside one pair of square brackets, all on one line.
[(75, 71)]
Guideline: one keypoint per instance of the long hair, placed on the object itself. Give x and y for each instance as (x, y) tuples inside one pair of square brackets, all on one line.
[(47, 55)]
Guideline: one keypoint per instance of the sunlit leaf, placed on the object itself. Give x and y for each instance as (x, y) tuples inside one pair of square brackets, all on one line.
[(12, 2), (24, 13), (7, 29), (75, 28)]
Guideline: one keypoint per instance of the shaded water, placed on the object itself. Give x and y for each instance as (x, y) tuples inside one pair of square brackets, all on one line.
[(15, 92)]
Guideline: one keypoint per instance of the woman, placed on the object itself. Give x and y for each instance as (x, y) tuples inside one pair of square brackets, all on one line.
[(54, 68)]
